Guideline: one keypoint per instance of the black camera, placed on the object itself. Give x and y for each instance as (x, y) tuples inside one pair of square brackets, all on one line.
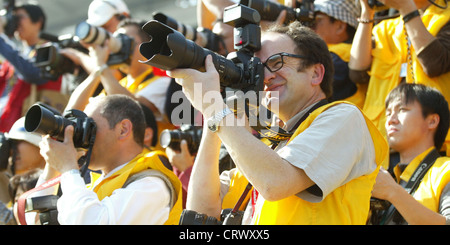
[(173, 138), (377, 5), (227, 217), (49, 59), (304, 11), (53, 64), (41, 120), (46, 207), (8, 19), (169, 49), (378, 208)]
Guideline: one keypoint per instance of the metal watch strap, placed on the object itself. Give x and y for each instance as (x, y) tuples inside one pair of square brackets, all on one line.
[(213, 122)]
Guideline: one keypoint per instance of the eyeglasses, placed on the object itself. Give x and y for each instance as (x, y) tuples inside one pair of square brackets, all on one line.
[(275, 62)]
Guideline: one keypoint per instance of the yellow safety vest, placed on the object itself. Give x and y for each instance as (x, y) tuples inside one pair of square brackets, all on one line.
[(145, 160), (343, 51), (389, 55), (429, 191), (348, 204)]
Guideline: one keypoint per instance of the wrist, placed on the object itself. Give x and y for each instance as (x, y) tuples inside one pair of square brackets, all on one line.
[(71, 171), (411, 15), (99, 70), (407, 8)]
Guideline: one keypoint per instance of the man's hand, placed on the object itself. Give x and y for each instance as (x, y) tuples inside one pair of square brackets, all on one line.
[(385, 186), (182, 159), (61, 156)]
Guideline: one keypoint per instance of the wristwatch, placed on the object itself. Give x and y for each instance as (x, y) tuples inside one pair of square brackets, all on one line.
[(213, 122)]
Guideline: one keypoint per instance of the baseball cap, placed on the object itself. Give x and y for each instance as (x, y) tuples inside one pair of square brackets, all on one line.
[(18, 132), (100, 11), (343, 10)]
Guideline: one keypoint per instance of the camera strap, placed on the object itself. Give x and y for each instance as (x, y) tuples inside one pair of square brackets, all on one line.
[(21, 203), (411, 186), (281, 134)]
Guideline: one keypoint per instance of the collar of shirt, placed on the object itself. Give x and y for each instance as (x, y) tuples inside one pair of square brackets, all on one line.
[(289, 125)]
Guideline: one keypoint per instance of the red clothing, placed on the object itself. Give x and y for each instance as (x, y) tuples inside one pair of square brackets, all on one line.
[(20, 91)]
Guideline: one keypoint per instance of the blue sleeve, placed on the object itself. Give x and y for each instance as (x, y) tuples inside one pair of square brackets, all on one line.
[(26, 68)]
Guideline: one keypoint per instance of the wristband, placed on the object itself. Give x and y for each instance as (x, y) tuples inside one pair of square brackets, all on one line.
[(73, 171), (99, 70), (411, 16), (364, 21)]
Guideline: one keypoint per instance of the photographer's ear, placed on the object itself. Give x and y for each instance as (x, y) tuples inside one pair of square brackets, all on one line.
[(433, 121), (124, 129), (317, 74)]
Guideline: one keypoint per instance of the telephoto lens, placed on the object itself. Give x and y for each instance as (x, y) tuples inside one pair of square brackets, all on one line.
[(96, 35), (173, 138)]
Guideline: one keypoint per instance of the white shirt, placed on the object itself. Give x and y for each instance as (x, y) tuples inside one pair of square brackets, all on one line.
[(156, 93), (142, 202), (336, 148)]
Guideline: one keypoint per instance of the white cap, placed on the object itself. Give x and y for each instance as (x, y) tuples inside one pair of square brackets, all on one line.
[(100, 11), (18, 132)]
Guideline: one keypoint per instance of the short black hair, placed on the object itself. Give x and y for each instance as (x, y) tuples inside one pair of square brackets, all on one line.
[(138, 24), (431, 100), (117, 107), (150, 121)]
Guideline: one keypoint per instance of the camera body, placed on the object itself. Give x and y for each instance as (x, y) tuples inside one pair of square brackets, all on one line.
[(41, 120), (227, 217), (173, 138), (376, 5), (49, 59), (53, 64), (46, 207), (304, 11)]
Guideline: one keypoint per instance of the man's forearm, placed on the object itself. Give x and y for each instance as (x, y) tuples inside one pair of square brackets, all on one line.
[(413, 211), (204, 185), (271, 175)]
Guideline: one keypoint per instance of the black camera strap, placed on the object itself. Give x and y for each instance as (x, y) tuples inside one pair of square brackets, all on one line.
[(411, 186), (281, 134)]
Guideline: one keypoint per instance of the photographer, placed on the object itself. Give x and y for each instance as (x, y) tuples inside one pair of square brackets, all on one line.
[(305, 180), (419, 51), (146, 84), (417, 120), (19, 79), (125, 193), (336, 23), (107, 13)]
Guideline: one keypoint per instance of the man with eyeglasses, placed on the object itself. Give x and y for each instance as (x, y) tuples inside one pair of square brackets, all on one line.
[(323, 174)]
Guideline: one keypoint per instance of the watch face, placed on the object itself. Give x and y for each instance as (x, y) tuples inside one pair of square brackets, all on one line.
[(212, 126)]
